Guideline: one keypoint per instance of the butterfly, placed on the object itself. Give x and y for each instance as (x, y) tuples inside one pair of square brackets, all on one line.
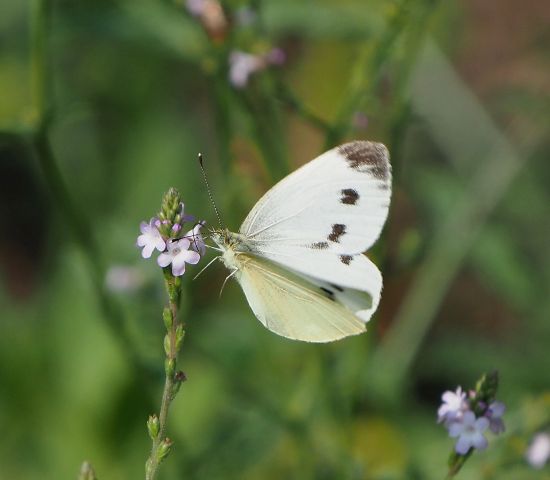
[(298, 255)]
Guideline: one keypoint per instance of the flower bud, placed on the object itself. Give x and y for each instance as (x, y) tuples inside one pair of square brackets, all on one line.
[(153, 426), (168, 318), (169, 211), (167, 345), (164, 449), (180, 333)]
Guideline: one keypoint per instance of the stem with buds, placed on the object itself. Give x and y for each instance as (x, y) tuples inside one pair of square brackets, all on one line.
[(156, 425)]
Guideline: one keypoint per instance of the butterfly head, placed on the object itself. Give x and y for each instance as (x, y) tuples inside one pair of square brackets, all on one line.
[(227, 240)]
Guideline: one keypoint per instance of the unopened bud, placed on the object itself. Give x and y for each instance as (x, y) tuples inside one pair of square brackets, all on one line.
[(167, 345), (168, 318), (153, 426), (180, 333), (164, 449)]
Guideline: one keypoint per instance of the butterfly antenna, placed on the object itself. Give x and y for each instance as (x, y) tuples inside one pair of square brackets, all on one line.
[(208, 189)]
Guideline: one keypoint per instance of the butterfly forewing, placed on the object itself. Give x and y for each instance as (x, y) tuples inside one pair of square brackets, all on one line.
[(338, 202)]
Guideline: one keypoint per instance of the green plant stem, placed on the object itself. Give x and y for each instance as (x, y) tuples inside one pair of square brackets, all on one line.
[(170, 384), (74, 217), (392, 360), (40, 58), (367, 74)]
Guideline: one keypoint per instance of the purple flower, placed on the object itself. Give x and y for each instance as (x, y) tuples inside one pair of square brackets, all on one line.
[(494, 414), (185, 218), (469, 431), (453, 407), (196, 7), (150, 238), (178, 254), (241, 66), (276, 56), (195, 237), (538, 452)]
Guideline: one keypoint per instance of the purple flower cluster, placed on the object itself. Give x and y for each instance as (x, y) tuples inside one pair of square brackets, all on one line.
[(458, 416), (174, 247), (219, 22)]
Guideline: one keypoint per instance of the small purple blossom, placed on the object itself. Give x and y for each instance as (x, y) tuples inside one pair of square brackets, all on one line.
[(469, 431), (196, 7), (185, 218), (242, 64), (195, 237), (178, 254), (538, 453), (276, 56), (453, 407), (150, 238), (494, 414)]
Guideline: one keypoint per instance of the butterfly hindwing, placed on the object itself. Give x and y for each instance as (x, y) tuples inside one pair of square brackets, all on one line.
[(289, 305)]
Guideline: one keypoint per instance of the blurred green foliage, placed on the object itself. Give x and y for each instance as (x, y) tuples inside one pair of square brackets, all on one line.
[(105, 105)]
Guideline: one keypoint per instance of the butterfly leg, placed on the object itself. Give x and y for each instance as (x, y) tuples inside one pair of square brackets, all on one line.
[(235, 270)]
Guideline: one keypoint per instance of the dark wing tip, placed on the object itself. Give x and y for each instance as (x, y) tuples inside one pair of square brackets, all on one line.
[(367, 157)]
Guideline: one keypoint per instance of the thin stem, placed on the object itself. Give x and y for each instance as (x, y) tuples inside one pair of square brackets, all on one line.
[(393, 359), (367, 74), (40, 58), (75, 218), (161, 443)]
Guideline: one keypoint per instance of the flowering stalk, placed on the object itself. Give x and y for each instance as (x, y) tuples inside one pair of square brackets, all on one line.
[(156, 425), (165, 235), (468, 419)]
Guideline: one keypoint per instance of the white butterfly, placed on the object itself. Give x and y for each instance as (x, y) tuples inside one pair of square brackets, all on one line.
[(298, 255)]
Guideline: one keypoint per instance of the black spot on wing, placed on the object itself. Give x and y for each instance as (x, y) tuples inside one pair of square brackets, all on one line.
[(349, 196), (319, 245), (367, 157), (346, 259), (338, 230)]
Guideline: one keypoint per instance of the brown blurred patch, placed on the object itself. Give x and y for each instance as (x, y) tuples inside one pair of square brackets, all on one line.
[(506, 45), (24, 214)]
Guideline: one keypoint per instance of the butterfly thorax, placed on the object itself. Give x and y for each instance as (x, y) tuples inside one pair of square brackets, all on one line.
[(231, 245)]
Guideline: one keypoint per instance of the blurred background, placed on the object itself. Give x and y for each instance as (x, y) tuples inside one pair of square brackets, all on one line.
[(105, 105)]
